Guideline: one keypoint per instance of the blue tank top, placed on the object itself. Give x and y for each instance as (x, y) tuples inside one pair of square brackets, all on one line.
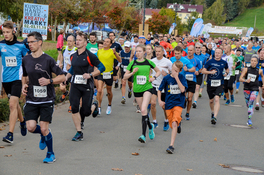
[(125, 57)]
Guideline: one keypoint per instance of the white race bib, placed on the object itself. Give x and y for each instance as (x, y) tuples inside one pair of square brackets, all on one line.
[(215, 83), (40, 91), (174, 89), (227, 77), (11, 61), (189, 77), (67, 60), (141, 80), (106, 75), (93, 50), (124, 68), (248, 64), (252, 77), (80, 80), (237, 72), (157, 89)]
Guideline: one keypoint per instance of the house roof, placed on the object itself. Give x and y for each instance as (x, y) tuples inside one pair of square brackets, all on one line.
[(187, 8), (149, 11)]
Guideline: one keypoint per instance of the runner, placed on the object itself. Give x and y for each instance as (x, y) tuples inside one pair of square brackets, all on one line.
[(250, 76), (107, 57), (215, 81), (164, 65), (191, 79), (174, 86), (40, 93), (125, 56), (239, 66), (12, 52), (82, 70), (59, 45), (229, 80), (260, 96), (92, 46), (135, 42), (140, 69), (247, 53)]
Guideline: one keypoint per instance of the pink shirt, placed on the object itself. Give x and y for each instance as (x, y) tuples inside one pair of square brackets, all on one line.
[(60, 41)]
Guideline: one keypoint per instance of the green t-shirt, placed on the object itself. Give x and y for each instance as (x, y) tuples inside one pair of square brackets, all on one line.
[(92, 47), (174, 44), (241, 59), (141, 77)]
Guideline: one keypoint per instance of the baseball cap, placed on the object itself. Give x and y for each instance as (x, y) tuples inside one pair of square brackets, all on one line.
[(127, 44)]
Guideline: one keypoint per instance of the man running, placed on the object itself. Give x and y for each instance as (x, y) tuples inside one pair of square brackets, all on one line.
[(92, 46), (107, 57), (248, 54), (215, 81), (12, 52), (82, 70), (40, 94)]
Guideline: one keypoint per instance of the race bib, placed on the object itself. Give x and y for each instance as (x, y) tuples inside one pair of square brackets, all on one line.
[(252, 77), (174, 89), (215, 83), (78, 79), (237, 72), (124, 68), (248, 64), (93, 50), (189, 77), (141, 80), (157, 89), (67, 60), (40, 91), (11, 61), (227, 77), (106, 75)]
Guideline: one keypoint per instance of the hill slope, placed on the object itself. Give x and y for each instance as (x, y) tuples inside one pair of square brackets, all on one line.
[(247, 18)]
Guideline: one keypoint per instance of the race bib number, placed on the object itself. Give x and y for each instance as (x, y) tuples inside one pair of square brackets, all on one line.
[(67, 60), (174, 89), (80, 80), (106, 75), (40, 91), (141, 80), (215, 83), (252, 77), (157, 89), (237, 72), (124, 68), (248, 64), (11, 61), (227, 77), (189, 77), (93, 50)]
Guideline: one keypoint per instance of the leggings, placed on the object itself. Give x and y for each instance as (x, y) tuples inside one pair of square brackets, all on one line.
[(250, 97)]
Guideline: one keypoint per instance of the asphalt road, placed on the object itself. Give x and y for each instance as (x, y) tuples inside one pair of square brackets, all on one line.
[(110, 140)]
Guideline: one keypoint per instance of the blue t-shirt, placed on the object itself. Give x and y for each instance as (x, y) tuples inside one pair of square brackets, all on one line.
[(256, 48), (185, 62), (202, 58), (207, 57), (170, 85), (219, 66), (260, 67), (148, 42), (12, 60), (125, 57), (190, 76)]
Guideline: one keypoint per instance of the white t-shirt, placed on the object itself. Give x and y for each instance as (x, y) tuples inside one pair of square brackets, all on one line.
[(133, 44), (229, 60), (163, 64)]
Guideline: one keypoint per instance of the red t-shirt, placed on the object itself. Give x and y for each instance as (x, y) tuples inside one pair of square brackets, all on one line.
[(190, 43)]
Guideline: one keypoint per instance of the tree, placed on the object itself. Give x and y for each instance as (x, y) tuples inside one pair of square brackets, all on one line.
[(153, 4), (255, 3), (214, 14), (229, 9), (163, 3), (209, 3), (158, 23), (242, 6)]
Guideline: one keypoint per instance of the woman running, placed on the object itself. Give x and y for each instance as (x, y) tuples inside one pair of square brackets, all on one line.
[(250, 77), (140, 69)]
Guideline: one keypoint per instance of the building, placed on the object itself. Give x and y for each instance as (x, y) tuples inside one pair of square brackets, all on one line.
[(148, 13), (185, 10)]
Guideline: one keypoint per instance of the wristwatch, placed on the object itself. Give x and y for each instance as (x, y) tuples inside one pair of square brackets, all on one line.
[(155, 77), (51, 81), (91, 75)]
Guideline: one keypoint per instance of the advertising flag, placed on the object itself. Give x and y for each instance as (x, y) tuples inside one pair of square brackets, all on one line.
[(196, 26), (250, 30), (172, 27)]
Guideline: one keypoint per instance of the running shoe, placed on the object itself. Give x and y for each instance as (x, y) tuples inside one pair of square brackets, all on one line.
[(213, 121), (170, 150), (70, 109), (227, 102), (142, 139), (96, 111), (23, 128), (129, 94), (82, 125), (78, 137), (151, 132), (123, 101), (138, 109), (224, 97), (155, 125), (232, 99), (187, 115), (194, 105), (212, 115), (99, 111), (8, 138), (179, 128), (108, 110), (42, 143), (50, 158), (200, 95), (257, 107), (249, 122), (262, 103), (166, 126), (116, 85), (237, 90), (63, 96)]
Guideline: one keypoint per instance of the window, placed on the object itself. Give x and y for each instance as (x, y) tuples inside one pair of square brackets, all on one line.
[(191, 10)]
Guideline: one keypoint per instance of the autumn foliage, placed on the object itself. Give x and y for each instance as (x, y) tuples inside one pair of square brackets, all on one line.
[(158, 23)]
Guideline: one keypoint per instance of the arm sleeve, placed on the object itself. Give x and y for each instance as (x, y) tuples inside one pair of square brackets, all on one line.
[(101, 67), (24, 50), (206, 66), (71, 71), (170, 65), (152, 65)]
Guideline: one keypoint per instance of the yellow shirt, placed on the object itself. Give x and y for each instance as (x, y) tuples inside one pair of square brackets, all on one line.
[(107, 58), (233, 46)]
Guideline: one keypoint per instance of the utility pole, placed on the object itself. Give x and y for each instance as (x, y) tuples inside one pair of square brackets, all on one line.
[(175, 7), (255, 21), (144, 17)]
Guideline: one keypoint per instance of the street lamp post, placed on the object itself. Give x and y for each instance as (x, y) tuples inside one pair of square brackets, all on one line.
[(144, 17), (175, 7)]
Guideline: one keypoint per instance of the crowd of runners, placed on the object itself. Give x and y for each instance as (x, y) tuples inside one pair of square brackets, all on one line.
[(162, 69)]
